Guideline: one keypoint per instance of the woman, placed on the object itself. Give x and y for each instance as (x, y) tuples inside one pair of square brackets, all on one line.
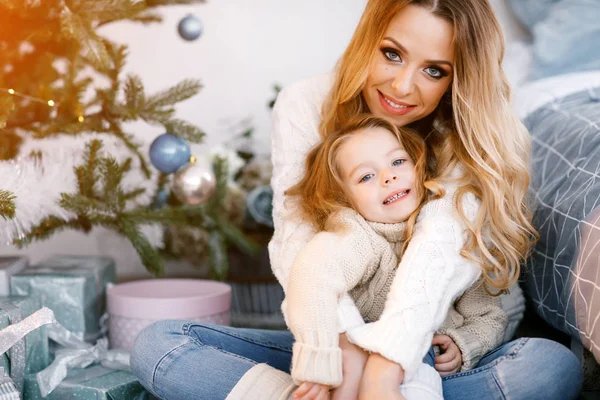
[(434, 66)]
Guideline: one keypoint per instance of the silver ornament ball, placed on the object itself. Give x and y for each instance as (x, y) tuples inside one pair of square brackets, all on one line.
[(194, 184), (190, 28)]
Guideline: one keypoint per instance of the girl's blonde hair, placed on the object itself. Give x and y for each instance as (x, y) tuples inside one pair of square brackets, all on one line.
[(473, 125), (321, 191)]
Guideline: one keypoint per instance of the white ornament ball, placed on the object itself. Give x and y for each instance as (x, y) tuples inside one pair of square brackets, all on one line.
[(194, 184), (190, 28)]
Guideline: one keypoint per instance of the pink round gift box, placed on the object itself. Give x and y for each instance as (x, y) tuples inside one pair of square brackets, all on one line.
[(134, 305)]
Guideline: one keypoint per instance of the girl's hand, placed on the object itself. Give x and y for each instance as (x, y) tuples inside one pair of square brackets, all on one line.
[(450, 361), (353, 364), (311, 391), (381, 379)]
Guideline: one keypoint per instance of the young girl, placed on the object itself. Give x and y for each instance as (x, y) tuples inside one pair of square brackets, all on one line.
[(362, 190)]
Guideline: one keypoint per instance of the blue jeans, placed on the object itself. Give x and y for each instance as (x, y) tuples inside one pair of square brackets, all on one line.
[(183, 360)]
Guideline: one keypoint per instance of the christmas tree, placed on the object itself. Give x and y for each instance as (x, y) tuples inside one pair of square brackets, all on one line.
[(59, 77)]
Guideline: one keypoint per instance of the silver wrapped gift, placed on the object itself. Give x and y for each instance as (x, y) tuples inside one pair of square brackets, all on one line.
[(74, 287)]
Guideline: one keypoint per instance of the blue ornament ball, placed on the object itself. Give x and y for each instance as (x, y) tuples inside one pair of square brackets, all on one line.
[(190, 28), (168, 153)]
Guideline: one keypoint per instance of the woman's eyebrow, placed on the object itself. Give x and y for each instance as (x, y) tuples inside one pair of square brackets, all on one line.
[(403, 49)]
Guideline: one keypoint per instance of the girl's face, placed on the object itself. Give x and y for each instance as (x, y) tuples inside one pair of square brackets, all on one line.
[(413, 68), (377, 175)]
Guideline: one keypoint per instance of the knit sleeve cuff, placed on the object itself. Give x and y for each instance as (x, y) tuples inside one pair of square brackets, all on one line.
[(470, 346), (318, 359), (392, 342), (348, 315)]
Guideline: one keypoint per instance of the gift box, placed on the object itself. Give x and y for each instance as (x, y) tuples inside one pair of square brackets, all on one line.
[(10, 265), (35, 352), (74, 287), (134, 305), (94, 383)]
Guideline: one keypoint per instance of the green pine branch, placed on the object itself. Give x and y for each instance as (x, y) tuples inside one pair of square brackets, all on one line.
[(160, 3), (109, 10), (78, 27), (178, 93), (46, 228), (7, 204), (184, 129)]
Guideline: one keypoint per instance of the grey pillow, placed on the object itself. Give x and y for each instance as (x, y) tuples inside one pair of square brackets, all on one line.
[(566, 194)]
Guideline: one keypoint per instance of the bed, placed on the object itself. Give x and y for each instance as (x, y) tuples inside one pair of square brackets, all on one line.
[(555, 73)]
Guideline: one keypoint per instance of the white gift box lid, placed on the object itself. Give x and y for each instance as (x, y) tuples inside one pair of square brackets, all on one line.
[(168, 298)]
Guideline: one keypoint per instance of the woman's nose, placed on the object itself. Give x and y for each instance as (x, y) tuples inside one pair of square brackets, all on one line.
[(404, 83)]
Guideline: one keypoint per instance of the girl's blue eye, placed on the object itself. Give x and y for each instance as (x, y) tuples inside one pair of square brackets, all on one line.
[(366, 178), (399, 161)]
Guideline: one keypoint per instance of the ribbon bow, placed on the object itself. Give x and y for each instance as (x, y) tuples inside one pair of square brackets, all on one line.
[(77, 354)]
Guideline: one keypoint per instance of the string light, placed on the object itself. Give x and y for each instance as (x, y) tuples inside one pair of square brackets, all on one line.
[(50, 103), (192, 159), (11, 91)]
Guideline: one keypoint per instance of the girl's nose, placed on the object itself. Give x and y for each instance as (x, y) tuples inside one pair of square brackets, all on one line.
[(390, 178)]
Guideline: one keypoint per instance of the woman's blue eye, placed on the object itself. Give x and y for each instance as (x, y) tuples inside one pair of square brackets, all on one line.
[(434, 72), (366, 178), (397, 162), (391, 55)]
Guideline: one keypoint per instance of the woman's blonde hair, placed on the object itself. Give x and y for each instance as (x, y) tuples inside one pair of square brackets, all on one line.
[(473, 125), (321, 190)]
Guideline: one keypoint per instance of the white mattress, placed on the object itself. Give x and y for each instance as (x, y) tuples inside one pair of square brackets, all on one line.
[(530, 96)]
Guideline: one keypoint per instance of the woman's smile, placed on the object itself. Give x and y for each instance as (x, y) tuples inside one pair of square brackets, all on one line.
[(394, 106)]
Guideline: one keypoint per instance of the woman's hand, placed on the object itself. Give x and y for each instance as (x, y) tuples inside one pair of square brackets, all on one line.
[(381, 379), (353, 364), (450, 361), (311, 391)]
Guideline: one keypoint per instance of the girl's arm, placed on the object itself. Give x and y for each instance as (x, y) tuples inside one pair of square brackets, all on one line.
[(329, 266), (483, 327), (296, 117), (431, 275)]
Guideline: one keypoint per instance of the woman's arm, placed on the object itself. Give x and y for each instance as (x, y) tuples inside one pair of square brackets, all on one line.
[(483, 327), (296, 118), (431, 275), (329, 266)]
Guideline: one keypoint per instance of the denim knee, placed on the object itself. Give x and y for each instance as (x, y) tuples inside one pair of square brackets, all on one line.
[(565, 371), (549, 369), (150, 347)]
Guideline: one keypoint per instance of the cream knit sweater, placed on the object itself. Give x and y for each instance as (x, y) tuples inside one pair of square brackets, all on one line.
[(351, 255), (431, 274)]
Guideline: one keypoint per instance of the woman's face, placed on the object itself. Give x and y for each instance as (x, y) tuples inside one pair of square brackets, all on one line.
[(413, 68)]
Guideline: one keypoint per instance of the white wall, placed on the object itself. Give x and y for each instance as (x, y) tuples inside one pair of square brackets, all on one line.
[(247, 46)]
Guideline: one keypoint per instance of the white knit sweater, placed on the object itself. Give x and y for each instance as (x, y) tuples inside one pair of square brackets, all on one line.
[(431, 273)]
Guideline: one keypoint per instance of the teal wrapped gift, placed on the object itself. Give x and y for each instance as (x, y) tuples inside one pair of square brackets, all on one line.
[(93, 383), (74, 287), (36, 343)]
